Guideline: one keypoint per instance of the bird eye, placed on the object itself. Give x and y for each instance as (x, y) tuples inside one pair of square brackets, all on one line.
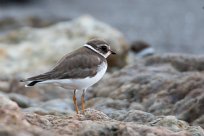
[(104, 48)]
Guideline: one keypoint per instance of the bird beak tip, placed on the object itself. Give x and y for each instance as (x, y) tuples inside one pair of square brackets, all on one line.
[(112, 52)]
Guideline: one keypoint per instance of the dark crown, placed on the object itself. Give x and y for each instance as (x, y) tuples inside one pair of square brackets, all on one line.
[(96, 42)]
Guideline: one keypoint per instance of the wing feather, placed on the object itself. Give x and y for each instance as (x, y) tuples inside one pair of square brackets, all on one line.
[(74, 65)]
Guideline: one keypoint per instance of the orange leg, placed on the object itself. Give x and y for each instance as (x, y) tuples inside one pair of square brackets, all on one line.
[(75, 102), (83, 102)]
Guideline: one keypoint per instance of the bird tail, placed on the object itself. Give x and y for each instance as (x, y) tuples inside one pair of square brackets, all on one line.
[(32, 83)]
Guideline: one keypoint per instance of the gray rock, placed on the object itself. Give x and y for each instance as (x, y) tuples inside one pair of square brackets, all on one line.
[(199, 121), (117, 109), (14, 122), (113, 108), (196, 131), (138, 116), (22, 101), (180, 62), (97, 123), (170, 122), (37, 110), (6, 103), (163, 85), (56, 106), (136, 106)]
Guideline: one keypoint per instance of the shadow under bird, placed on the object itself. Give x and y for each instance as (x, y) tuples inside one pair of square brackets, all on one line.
[(77, 70)]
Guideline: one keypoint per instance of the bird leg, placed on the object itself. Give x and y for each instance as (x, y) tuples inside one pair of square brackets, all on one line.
[(75, 102), (83, 102)]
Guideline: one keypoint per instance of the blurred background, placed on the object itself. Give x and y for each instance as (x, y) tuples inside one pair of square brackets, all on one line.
[(169, 26)]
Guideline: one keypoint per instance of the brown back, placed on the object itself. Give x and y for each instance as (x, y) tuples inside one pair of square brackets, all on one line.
[(78, 64)]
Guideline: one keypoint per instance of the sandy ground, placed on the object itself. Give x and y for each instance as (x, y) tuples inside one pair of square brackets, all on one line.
[(169, 26)]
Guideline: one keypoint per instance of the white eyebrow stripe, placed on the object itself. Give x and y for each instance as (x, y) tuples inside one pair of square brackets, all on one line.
[(90, 47)]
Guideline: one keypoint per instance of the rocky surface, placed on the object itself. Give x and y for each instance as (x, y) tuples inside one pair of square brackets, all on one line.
[(12, 120), (162, 85), (157, 96)]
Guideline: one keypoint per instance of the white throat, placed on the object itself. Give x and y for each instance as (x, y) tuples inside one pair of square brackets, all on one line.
[(90, 47)]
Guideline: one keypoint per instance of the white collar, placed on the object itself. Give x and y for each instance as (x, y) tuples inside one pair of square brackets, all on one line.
[(90, 47)]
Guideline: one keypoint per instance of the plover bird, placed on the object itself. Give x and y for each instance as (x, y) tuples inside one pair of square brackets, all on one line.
[(77, 70)]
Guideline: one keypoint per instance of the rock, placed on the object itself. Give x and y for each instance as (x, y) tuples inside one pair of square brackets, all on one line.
[(163, 85), (182, 63), (93, 122), (91, 114), (170, 122), (136, 106), (38, 110), (59, 105), (138, 116), (196, 131), (56, 106), (199, 121), (32, 51), (22, 101), (113, 108), (117, 109), (4, 86), (100, 102), (96, 123), (6, 103), (12, 121)]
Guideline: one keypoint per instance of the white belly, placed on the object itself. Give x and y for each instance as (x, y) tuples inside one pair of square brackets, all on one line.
[(79, 84)]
